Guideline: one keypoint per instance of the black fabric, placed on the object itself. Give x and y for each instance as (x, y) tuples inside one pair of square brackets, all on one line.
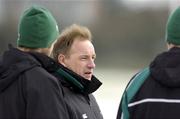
[(27, 90), (90, 86), (162, 86), (79, 104), (166, 68)]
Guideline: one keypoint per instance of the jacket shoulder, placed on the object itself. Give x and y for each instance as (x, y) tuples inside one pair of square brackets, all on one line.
[(130, 91)]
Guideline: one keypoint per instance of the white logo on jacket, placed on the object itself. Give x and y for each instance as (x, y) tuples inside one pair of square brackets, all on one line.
[(84, 116)]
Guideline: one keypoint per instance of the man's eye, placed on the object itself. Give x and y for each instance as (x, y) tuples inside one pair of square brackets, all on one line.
[(83, 58)]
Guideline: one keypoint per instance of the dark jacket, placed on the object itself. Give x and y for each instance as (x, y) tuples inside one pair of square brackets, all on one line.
[(159, 96), (80, 102), (77, 92), (27, 90)]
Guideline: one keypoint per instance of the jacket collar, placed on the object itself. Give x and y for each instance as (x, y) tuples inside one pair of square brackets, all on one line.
[(76, 81), (67, 76)]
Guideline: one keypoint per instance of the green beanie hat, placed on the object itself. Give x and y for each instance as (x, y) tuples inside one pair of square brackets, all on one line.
[(37, 28), (173, 28)]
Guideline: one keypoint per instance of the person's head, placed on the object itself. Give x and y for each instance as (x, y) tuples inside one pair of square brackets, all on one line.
[(37, 30), (173, 29), (74, 50)]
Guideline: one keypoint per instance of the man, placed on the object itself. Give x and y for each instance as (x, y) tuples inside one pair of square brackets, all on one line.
[(154, 92), (75, 53), (27, 90)]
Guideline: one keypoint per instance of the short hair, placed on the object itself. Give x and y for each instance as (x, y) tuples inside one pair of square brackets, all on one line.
[(67, 37)]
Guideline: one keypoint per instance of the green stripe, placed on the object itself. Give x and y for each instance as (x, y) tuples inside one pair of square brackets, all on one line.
[(132, 89)]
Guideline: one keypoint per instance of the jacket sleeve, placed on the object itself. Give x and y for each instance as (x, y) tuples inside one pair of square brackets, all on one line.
[(119, 113), (123, 108), (130, 91), (44, 99)]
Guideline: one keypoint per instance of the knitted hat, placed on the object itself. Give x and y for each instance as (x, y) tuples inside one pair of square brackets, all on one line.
[(173, 28), (37, 28)]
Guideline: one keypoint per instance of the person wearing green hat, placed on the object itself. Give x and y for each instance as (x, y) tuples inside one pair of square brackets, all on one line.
[(27, 89), (154, 92)]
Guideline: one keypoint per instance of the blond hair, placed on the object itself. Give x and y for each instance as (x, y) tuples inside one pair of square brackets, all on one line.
[(67, 37)]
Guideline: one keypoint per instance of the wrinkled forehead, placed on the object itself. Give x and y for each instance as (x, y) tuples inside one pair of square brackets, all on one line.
[(84, 47)]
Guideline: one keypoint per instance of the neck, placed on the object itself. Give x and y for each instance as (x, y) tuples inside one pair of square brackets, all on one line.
[(39, 50)]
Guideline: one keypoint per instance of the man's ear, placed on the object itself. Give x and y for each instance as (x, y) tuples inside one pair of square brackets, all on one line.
[(170, 45), (61, 59)]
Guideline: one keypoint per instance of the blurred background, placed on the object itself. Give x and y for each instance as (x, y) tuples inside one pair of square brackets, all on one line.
[(127, 35)]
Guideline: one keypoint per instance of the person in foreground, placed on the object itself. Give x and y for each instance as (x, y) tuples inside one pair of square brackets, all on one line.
[(27, 90), (75, 54), (153, 93)]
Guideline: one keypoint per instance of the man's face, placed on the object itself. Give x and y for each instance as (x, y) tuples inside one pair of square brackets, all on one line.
[(81, 58)]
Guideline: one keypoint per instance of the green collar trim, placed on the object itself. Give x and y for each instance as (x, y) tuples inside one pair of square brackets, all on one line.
[(70, 78)]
